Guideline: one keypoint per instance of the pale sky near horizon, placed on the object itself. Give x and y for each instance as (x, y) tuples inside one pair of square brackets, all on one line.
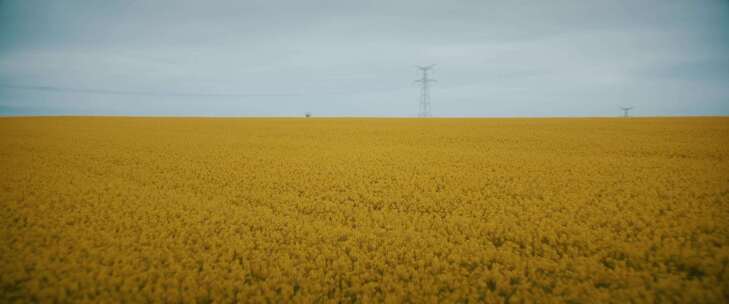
[(358, 58)]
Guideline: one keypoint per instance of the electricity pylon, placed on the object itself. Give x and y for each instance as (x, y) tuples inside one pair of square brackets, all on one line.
[(425, 81), (625, 111)]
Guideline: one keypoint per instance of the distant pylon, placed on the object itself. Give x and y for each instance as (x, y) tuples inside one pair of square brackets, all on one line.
[(625, 111), (424, 109)]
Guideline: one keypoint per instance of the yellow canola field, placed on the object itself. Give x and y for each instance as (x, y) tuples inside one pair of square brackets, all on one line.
[(103, 209)]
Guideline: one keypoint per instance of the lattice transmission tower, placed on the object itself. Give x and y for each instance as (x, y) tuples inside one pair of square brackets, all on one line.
[(625, 111), (425, 81)]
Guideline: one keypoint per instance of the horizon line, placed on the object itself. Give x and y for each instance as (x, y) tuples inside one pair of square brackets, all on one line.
[(353, 116)]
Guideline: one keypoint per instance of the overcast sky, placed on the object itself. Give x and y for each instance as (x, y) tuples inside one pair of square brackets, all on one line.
[(358, 58)]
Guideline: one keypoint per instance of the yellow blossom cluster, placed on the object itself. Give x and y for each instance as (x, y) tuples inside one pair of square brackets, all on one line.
[(193, 210)]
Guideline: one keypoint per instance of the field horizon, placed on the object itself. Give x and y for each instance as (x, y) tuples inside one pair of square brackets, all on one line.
[(365, 117)]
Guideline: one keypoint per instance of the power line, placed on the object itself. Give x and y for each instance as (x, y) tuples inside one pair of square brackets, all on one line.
[(57, 89), (134, 93), (424, 104)]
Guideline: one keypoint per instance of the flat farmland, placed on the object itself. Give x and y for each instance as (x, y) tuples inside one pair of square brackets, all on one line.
[(583, 210)]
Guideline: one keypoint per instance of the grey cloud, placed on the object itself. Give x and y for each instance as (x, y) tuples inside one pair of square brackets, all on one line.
[(514, 58)]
